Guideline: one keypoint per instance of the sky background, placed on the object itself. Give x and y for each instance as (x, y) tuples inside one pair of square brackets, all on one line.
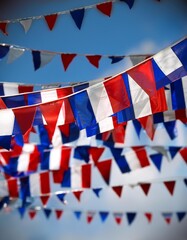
[(147, 28)]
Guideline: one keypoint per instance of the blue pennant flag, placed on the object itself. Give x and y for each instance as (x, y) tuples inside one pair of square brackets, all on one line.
[(173, 151), (130, 3), (47, 212), (66, 181), (61, 196), (157, 160), (82, 153), (3, 51), (137, 126), (103, 216), (97, 191), (36, 59), (78, 16), (130, 217), (170, 128), (24, 189), (115, 59), (78, 214), (21, 211), (120, 160), (180, 215)]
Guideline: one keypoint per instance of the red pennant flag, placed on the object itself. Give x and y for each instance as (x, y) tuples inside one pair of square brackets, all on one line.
[(148, 216), (58, 176), (170, 185), (145, 187), (118, 217), (90, 216), (77, 194), (183, 153), (118, 134), (86, 176), (45, 182), (32, 214), (67, 59), (58, 213), (65, 129), (118, 190), (142, 156), (44, 200), (3, 27), (148, 125), (105, 8), (51, 20), (51, 112), (25, 118), (13, 188), (96, 153), (94, 60), (104, 168)]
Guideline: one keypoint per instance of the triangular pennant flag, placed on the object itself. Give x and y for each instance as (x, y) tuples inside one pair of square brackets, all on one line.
[(130, 217), (78, 16), (51, 20), (14, 53), (171, 129), (26, 24), (3, 51), (148, 125), (116, 59), (183, 153), (137, 126), (97, 191), (51, 112), (148, 216), (137, 59), (167, 217), (78, 194), (161, 150), (181, 215), (118, 190), (67, 59), (173, 151), (44, 200), (3, 27), (32, 213), (36, 59), (61, 196), (185, 181), (103, 216), (94, 60), (25, 118), (47, 212), (21, 211), (130, 3), (118, 217), (90, 216), (157, 160), (145, 187), (95, 153), (45, 58), (78, 214), (105, 8), (104, 168), (58, 213), (170, 185)]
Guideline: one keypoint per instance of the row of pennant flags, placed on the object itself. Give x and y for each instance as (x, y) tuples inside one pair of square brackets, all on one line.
[(107, 104), (41, 58), (76, 14)]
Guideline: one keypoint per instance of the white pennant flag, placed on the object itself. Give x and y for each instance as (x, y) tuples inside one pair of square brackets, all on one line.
[(14, 53), (46, 58), (137, 59), (26, 24)]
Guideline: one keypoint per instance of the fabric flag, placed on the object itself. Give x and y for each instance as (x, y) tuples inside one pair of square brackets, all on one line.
[(130, 3), (118, 217), (26, 24), (24, 190), (137, 126), (58, 213), (61, 196), (145, 187), (137, 59), (183, 153), (185, 181), (97, 191), (121, 161), (86, 175), (77, 195), (171, 129), (181, 215), (14, 53), (3, 28), (167, 217), (44, 200), (77, 214), (51, 20), (149, 216), (148, 125), (66, 180), (90, 216), (173, 151), (3, 201), (32, 213), (95, 153), (78, 16), (103, 215), (104, 168), (67, 59), (47, 212), (21, 211), (39, 184), (46, 57), (157, 160), (4, 50), (105, 8), (94, 59), (170, 185), (115, 59), (118, 190), (130, 217), (13, 188), (142, 156)]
